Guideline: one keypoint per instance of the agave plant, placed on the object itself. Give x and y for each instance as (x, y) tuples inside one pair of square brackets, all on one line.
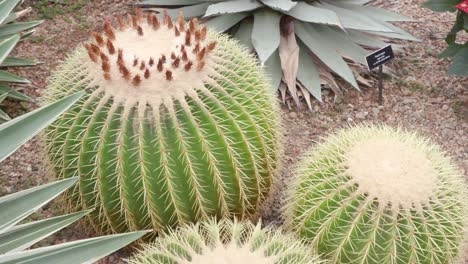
[(457, 51), (332, 37), (14, 237), (11, 32)]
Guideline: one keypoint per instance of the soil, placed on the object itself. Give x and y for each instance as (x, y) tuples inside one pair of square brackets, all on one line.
[(420, 96)]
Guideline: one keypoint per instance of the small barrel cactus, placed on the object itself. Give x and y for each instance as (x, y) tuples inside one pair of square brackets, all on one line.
[(178, 124), (226, 242), (376, 194)]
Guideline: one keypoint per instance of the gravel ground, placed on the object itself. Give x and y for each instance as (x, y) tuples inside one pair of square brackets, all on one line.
[(419, 97)]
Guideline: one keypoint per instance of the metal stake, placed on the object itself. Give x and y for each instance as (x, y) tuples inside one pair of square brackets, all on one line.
[(380, 85)]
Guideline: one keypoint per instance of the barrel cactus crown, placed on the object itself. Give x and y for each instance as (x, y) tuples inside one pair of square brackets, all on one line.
[(233, 242), (177, 124), (376, 194)]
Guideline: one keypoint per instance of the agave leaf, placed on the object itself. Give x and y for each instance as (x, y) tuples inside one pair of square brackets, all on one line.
[(9, 77), (170, 2), (341, 43), (18, 62), (321, 48), (225, 22), (452, 50), (23, 236), (374, 12), (6, 7), (305, 94), (266, 33), (307, 73), (14, 94), (353, 20), (397, 33), (273, 67), (6, 46), (441, 5), (280, 5), (4, 116), (3, 96), (76, 252), (308, 13), (244, 34), (9, 29), (459, 65), (19, 130), (289, 55), (231, 7), (188, 11), (17, 206), (365, 39)]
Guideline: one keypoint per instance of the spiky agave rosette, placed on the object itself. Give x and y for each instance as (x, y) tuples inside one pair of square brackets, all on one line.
[(226, 241), (178, 124), (304, 43), (375, 194)]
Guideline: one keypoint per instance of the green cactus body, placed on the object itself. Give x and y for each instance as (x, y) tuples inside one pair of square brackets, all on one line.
[(227, 241), (178, 124), (375, 194)]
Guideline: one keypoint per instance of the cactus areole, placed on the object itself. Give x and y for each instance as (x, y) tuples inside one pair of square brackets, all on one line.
[(375, 194), (178, 124)]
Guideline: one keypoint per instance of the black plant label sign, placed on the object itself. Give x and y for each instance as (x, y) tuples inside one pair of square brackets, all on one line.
[(380, 57)]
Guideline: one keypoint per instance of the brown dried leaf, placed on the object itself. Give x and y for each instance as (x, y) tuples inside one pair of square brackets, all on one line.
[(289, 55), (305, 94)]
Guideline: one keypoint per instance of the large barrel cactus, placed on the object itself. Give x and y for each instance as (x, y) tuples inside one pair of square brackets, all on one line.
[(224, 242), (375, 194), (178, 124)]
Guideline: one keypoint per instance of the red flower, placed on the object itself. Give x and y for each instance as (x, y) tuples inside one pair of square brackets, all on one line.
[(463, 6)]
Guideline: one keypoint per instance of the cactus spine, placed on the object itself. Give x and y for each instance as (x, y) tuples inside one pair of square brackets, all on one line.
[(178, 124), (375, 194), (226, 242)]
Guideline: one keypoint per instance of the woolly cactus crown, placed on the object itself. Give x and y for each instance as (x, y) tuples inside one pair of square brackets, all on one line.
[(375, 194), (178, 124), (212, 242)]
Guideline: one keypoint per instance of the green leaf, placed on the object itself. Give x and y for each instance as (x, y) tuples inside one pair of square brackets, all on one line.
[(365, 39), (225, 22), (441, 5), (14, 28), (458, 26), (308, 13), (452, 49), (7, 45), (231, 7), (266, 33), (321, 48), (19, 130), (6, 7), (14, 94), (273, 68), (397, 33), (76, 252), (353, 20), (3, 96), (374, 12), (280, 5), (23, 236), (4, 116), (244, 34), (9, 77), (17, 206), (307, 73), (460, 63), (18, 62)]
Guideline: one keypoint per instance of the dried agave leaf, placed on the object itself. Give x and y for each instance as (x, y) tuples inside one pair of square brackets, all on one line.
[(289, 54)]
